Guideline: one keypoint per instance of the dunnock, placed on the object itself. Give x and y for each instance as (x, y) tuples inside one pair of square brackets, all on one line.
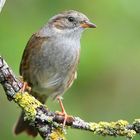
[(50, 59)]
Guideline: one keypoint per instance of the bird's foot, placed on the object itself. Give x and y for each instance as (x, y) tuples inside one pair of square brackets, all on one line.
[(63, 113), (25, 86)]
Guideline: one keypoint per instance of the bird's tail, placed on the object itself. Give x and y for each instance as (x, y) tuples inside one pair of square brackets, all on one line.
[(23, 125)]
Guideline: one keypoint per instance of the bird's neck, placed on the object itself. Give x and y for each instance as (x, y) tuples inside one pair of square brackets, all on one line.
[(48, 31)]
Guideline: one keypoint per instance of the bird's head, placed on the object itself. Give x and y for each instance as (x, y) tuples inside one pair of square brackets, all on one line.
[(70, 23)]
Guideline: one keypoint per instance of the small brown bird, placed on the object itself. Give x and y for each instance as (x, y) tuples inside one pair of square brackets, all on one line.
[(50, 59)]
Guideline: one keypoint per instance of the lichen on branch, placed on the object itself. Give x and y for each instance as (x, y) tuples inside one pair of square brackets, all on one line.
[(28, 103), (50, 124), (118, 128)]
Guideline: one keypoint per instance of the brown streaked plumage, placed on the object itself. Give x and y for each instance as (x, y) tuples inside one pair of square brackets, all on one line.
[(33, 44)]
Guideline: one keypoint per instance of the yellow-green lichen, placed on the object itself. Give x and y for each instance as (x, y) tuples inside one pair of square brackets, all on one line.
[(28, 103), (112, 129), (137, 122), (57, 134)]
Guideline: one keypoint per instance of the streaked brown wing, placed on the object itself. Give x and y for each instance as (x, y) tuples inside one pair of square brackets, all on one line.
[(32, 46)]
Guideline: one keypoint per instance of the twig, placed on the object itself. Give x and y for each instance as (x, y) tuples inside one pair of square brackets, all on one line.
[(49, 124), (2, 2)]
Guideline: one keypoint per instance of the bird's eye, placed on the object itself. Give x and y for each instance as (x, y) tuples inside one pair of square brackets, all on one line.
[(71, 19)]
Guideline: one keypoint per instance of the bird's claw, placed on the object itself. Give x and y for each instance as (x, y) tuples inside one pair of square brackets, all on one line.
[(25, 86), (63, 113)]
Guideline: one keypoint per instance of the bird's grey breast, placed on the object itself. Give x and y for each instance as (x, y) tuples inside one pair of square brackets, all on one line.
[(58, 62)]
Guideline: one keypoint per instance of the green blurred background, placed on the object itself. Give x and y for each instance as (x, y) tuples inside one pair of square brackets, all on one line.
[(108, 84)]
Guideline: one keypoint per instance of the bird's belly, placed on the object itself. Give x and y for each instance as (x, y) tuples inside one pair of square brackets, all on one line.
[(55, 71), (57, 76), (55, 85)]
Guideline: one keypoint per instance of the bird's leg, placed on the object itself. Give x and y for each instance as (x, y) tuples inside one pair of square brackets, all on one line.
[(25, 86), (63, 113)]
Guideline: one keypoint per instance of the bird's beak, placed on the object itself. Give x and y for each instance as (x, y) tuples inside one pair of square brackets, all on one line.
[(87, 24)]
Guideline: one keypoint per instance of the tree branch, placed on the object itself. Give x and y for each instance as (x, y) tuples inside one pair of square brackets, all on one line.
[(50, 124), (2, 2)]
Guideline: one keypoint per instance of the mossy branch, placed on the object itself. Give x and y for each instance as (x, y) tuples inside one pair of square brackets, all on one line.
[(49, 124)]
